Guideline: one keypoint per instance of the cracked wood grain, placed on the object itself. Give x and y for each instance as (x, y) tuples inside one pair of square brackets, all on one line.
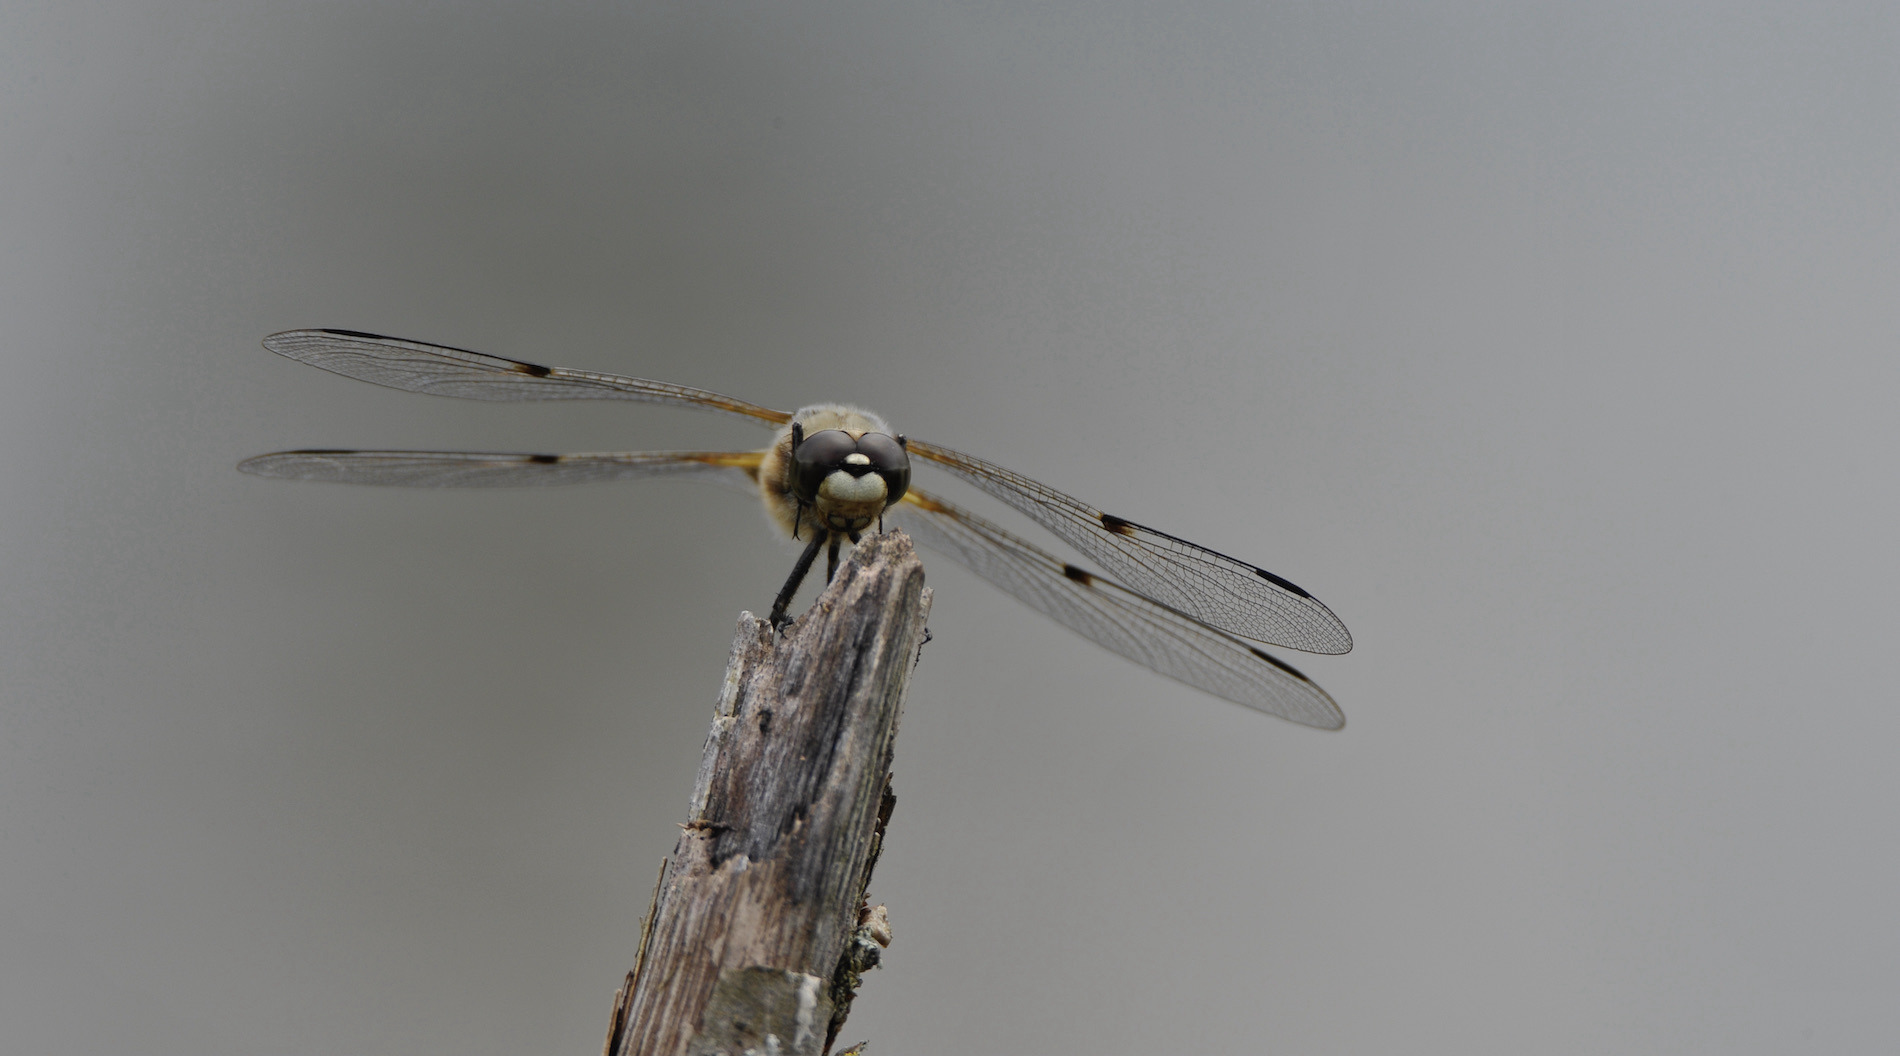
[(754, 938)]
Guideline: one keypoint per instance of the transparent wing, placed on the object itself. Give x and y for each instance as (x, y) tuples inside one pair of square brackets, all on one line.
[(1151, 634), (469, 469), (1210, 587), (443, 371)]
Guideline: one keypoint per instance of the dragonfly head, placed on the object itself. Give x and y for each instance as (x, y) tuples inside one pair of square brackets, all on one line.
[(848, 477)]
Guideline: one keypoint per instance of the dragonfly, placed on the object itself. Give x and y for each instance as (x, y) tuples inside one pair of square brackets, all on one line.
[(831, 472)]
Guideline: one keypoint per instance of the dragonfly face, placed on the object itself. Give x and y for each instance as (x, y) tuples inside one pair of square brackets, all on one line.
[(832, 472), (833, 468)]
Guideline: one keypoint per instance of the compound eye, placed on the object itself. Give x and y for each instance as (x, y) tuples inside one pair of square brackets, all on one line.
[(888, 460), (817, 457)]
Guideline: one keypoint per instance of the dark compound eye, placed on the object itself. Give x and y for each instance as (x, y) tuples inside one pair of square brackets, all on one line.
[(817, 457), (888, 460), (825, 452)]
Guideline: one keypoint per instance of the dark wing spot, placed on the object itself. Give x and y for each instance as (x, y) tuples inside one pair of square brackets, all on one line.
[(1281, 583), (545, 460), (1080, 575), (1126, 527), (1279, 663), (525, 368)]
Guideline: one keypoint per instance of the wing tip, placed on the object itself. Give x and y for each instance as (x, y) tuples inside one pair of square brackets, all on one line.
[(273, 465), (1325, 634), (1326, 716), (307, 331), (281, 341), (294, 344), (288, 342), (262, 465)]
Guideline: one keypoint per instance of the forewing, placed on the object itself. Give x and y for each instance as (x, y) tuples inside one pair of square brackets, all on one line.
[(442, 371), (1151, 634), (1211, 587), (469, 469)]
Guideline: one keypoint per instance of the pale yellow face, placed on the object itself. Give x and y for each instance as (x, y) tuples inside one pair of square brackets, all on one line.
[(844, 502)]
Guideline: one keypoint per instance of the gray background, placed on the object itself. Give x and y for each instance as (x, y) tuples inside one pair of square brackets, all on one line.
[(1553, 347)]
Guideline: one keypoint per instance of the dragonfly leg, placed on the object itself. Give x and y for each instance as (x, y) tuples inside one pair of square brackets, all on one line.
[(831, 559), (784, 600)]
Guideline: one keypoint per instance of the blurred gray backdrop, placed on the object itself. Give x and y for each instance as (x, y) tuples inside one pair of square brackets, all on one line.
[(1553, 346)]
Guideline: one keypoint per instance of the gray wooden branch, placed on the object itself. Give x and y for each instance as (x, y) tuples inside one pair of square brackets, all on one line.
[(758, 932)]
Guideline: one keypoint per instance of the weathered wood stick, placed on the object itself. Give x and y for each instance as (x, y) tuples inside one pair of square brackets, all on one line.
[(756, 939)]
